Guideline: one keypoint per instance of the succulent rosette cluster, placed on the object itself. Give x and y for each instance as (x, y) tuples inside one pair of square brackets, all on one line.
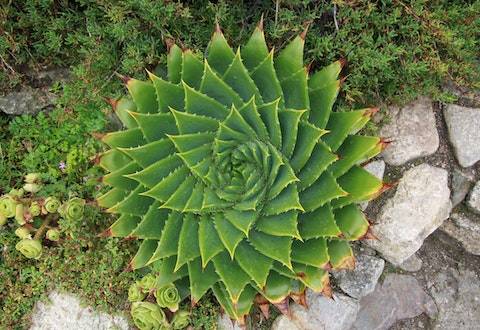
[(145, 313), (36, 217), (237, 176)]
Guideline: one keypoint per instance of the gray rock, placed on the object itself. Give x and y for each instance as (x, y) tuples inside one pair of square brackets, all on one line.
[(457, 296), (474, 198), (283, 322), (323, 313), (225, 323), (412, 264), (464, 133), (464, 230), (377, 168), (399, 297), (413, 132), (51, 75), (420, 204), (27, 101), (363, 279), (461, 183), (65, 312)]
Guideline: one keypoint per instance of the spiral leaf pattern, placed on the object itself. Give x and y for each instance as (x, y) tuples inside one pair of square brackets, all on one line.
[(237, 175)]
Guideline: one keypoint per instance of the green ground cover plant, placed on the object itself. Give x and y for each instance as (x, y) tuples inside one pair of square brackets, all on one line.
[(395, 51)]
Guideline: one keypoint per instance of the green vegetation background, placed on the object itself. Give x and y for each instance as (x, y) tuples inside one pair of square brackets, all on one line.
[(396, 50)]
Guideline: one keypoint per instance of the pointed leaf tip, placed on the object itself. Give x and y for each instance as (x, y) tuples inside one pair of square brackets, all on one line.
[(98, 135), (328, 266), (300, 298), (260, 23), (327, 290), (369, 235), (112, 102), (218, 29), (284, 307), (263, 304), (384, 143), (129, 267), (169, 42), (308, 67), (306, 26), (105, 233), (125, 79), (370, 112), (95, 160), (343, 62)]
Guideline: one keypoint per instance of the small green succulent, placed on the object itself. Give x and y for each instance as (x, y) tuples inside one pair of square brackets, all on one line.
[(51, 204), (72, 209), (237, 175), (147, 283), (148, 316), (180, 320), (135, 293), (168, 297), (8, 206), (53, 234), (35, 209), (30, 248)]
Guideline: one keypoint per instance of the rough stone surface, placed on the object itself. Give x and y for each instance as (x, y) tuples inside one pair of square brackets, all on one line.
[(224, 323), (26, 101), (463, 129), (464, 230), (363, 279), (377, 168), (457, 296), (323, 313), (399, 297), (461, 183), (65, 312), (412, 264), (420, 204), (413, 132), (48, 76), (474, 198)]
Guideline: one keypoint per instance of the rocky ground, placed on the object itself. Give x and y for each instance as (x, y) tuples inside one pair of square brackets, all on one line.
[(423, 272)]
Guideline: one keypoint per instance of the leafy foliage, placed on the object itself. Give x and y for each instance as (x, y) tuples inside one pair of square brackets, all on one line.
[(396, 49), (237, 175)]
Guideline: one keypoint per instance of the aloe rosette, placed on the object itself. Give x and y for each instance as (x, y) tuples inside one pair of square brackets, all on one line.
[(236, 174)]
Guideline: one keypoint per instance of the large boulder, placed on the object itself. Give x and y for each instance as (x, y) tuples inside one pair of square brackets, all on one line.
[(420, 205), (413, 132)]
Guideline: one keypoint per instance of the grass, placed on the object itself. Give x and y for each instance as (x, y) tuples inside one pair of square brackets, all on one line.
[(396, 50)]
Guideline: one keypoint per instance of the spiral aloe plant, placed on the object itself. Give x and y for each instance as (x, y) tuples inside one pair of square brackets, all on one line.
[(236, 174)]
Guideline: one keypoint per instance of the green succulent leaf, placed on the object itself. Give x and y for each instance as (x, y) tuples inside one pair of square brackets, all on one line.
[(237, 174)]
